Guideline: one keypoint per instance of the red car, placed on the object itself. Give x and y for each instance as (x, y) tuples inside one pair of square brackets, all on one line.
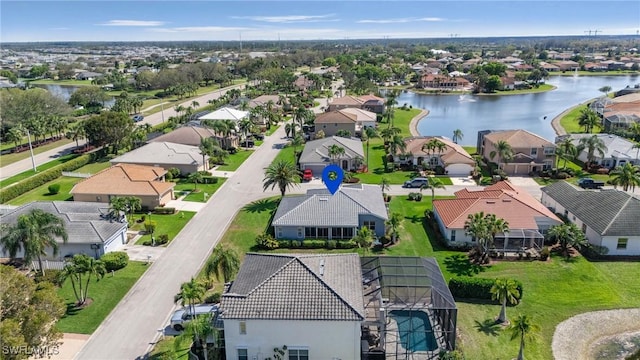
[(307, 175)]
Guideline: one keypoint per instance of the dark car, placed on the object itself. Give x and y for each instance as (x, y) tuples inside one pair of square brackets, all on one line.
[(138, 118), (589, 183), (416, 182)]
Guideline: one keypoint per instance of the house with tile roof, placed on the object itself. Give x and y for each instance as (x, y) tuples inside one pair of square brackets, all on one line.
[(225, 113), (312, 303), (353, 120), (315, 155), (90, 230), (531, 152), (185, 158), (368, 102), (144, 182), (193, 135), (320, 215), (528, 219), (618, 150), (609, 218), (453, 158)]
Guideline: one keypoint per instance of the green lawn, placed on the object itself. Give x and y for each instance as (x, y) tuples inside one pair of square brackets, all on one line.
[(470, 149), (105, 294), (592, 73), (166, 224), (70, 82), (164, 349), (233, 162), (570, 121), (11, 158), (29, 173), (272, 130), (541, 88), (198, 195)]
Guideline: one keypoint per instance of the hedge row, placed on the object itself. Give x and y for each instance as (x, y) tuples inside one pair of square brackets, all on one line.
[(317, 244), (476, 288), (164, 210), (28, 184)]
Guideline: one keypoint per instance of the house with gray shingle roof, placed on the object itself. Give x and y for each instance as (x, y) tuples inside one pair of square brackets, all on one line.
[(313, 304), (617, 152), (315, 155), (320, 215), (186, 158), (90, 231), (609, 218)]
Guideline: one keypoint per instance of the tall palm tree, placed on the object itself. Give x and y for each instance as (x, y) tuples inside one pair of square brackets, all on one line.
[(567, 235), (384, 184), (476, 227), (567, 150), (457, 135), (627, 176), (336, 152), (76, 132), (370, 132), (397, 144), (245, 126), (282, 174), (117, 206), (195, 177), (82, 266), (197, 331), (134, 203), (589, 119), (394, 222), (15, 134), (191, 292), (298, 140), (496, 225), (505, 291), (504, 152), (433, 184), (224, 264), (592, 144), (33, 234), (388, 133), (524, 329)]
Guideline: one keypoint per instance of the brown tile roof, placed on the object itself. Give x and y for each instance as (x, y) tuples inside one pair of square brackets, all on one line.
[(506, 201), (125, 180), (370, 97), (336, 117), (518, 138), (452, 154), (347, 100), (186, 135)]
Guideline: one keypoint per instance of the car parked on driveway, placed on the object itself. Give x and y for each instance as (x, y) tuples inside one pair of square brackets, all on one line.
[(416, 182), (138, 118), (307, 175), (182, 316)]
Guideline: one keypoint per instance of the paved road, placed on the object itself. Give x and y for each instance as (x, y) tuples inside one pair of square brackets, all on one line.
[(128, 331), (42, 158)]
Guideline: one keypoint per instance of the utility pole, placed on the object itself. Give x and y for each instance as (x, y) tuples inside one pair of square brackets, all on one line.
[(33, 160)]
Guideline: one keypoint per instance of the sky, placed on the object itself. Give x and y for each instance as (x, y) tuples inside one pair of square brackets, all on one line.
[(28, 21)]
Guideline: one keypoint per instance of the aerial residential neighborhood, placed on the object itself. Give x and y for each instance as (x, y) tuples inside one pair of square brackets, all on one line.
[(360, 183)]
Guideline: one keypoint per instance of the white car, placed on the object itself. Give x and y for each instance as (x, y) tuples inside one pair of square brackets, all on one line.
[(182, 316)]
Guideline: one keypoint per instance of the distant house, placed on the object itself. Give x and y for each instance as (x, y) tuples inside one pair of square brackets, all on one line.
[(88, 75), (619, 112), (281, 299), (193, 135), (453, 158), (262, 100), (531, 152), (609, 218), (442, 82), (90, 230), (352, 120), (366, 102), (618, 150), (372, 103), (528, 219), (302, 83), (225, 113), (315, 155), (167, 155), (320, 215), (144, 182)]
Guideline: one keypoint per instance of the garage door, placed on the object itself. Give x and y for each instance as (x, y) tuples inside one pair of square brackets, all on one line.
[(459, 170), (316, 169)]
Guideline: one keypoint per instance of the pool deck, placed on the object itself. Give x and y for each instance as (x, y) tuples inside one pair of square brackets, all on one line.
[(394, 346)]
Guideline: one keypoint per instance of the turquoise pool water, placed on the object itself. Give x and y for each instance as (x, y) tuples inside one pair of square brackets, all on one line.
[(414, 329)]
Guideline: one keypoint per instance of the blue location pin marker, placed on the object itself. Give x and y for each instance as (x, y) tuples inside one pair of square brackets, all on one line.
[(332, 177)]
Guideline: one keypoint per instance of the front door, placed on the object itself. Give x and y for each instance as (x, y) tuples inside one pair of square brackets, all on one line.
[(345, 165)]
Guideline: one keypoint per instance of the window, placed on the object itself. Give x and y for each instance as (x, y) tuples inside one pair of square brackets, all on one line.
[(298, 354), (622, 243), (243, 354), (584, 228), (279, 232), (310, 232), (323, 233), (453, 235), (347, 233), (300, 233), (370, 224), (534, 152), (336, 233), (549, 151), (243, 327)]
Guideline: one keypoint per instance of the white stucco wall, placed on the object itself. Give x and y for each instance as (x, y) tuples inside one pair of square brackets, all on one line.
[(325, 340), (633, 245), (459, 169)]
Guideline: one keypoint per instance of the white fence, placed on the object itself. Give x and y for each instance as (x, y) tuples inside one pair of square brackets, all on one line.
[(74, 174), (48, 264)]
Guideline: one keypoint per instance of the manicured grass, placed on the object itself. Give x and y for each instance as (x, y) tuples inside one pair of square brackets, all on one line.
[(105, 294), (73, 82), (402, 119), (94, 167), (233, 161), (470, 149), (41, 193), (272, 130), (165, 224), (11, 158), (198, 194), (29, 173), (570, 121), (592, 73), (541, 88), (164, 349)]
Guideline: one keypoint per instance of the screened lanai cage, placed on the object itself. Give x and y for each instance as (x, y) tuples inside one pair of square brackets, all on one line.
[(410, 312)]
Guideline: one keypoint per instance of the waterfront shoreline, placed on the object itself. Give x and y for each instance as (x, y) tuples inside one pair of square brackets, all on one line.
[(413, 125)]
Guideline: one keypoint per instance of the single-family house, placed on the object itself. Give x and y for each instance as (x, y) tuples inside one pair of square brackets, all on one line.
[(263, 100), (185, 158), (352, 120), (617, 152), (88, 75), (528, 219), (609, 218), (193, 135), (568, 65), (89, 228), (619, 112), (452, 157), (530, 152), (442, 82), (144, 182), (302, 83), (284, 299), (366, 102), (315, 156), (225, 113), (320, 215), (372, 103)]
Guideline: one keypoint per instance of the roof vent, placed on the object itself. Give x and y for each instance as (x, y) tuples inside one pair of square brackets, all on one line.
[(491, 201), (321, 267), (322, 198), (506, 200)]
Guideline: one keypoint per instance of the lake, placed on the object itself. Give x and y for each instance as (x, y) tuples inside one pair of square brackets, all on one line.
[(64, 92), (472, 113)]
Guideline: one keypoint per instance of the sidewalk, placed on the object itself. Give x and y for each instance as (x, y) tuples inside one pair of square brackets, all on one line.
[(40, 159)]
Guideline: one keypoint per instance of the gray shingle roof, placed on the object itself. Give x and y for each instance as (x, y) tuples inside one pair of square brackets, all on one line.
[(318, 207), (608, 212), (317, 151), (162, 153), (83, 220), (296, 287)]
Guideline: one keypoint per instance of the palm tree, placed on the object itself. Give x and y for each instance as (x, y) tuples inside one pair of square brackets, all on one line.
[(133, 204), (82, 266), (364, 238), (245, 126), (195, 104), (457, 135), (384, 184), (223, 264), (15, 134), (197, 331), (195, 177), (496, 225), (567, 150), (503, 150), (394, 224), (370, 132), (389, 132), (336, 152), (117, 206), (476, 227), (33, 234), (433, 184), (627, 176), (524, 329), (567, 235), (592, 144), (76, 132), (589, 119), (298, 140), (397, 144), (190, 293), (504, 290), (605, 90), (282, 174)]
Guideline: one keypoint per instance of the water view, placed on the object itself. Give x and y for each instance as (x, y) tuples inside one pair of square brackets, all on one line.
[(532, 112), (64, 92)]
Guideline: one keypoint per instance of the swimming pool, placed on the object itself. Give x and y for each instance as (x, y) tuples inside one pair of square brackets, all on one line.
[(414, 330)]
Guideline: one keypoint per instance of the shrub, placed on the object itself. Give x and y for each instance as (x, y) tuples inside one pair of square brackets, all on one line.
[(150, 226), (544, 254), (164, 210), (562, 175), (476, 288), (52, 276), (415, 196), (54, 189), (162, 239), (331, 244), (213, 298), (115, 260), (209, 180), (266, 241), (175, 172)]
